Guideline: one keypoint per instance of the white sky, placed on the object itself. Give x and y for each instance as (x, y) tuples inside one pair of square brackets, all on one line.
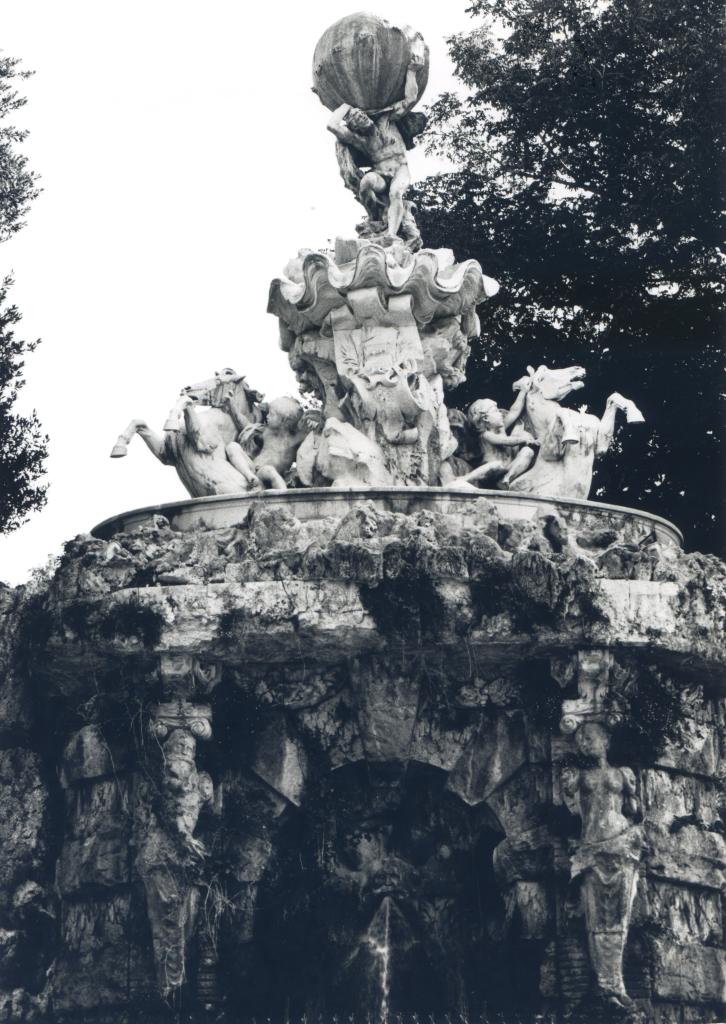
[(184, 160)]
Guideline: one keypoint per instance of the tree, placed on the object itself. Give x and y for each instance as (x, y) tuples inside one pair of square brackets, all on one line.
[(17, 183), (590, 156), (23, 447)]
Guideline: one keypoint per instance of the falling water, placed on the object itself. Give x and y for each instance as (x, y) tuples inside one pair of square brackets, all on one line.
[(378, 939)]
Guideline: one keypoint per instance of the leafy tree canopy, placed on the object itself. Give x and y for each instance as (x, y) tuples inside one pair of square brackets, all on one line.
[(23, 447), (590, 153), (17, 183)]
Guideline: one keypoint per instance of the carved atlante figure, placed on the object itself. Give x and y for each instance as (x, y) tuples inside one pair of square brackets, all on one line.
[(605, 861), (376, 139), (170, 855)]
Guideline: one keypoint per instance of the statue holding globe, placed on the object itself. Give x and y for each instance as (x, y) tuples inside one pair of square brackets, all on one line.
[(371, 74)]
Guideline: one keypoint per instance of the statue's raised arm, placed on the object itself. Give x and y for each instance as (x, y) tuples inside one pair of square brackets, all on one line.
[(340, 128)]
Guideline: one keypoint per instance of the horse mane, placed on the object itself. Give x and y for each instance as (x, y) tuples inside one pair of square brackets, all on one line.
[(253, 397)]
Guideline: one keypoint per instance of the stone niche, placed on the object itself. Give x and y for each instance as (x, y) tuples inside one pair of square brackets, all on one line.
[(364, 756)]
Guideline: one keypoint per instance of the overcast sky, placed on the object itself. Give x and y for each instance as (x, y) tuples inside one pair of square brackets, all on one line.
[(184, 160)]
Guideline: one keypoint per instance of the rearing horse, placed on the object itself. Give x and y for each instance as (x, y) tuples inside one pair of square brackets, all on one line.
[(205, 420), (569, 440)]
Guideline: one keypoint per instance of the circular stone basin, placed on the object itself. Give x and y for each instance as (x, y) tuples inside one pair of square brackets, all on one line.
[(225, 510)]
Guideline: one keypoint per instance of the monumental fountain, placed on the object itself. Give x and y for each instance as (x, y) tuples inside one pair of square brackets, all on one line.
[(386, 721)]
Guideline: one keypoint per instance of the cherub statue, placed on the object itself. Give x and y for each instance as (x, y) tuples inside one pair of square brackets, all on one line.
[(378, 140), (273, 443), (505, 456), (605, 859)]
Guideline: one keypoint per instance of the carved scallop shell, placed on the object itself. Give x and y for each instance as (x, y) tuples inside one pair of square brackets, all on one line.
[(438, 286)]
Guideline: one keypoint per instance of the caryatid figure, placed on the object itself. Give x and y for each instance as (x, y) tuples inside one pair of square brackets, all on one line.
[(605, 861)]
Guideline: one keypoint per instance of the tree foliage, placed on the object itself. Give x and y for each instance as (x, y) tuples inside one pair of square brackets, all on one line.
[(590, 161), (18, 184), (23, 447)]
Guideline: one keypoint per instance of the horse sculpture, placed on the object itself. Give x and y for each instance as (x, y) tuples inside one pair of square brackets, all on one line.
[(199, 431), (569, 440)]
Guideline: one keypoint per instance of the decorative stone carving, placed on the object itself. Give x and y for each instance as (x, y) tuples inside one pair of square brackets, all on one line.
[(183, 676), (273, 444), (507, 450), (197, 432), (362, 60), (377, 339), (393, 839), (568, 440), (343, 457), (593, 670), (371, 74), (222, 439), (178, 726), (170, 855), (605, 860)]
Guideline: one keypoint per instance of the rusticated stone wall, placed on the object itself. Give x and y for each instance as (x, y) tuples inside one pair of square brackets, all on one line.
[(367, 764)]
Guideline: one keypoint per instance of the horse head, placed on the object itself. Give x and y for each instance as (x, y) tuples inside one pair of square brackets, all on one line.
[(553, 385), (225, 384), (215, 393)]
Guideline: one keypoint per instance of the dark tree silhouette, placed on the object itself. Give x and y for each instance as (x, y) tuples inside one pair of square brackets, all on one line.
[(590, 166), (23, 446), (17, 183)]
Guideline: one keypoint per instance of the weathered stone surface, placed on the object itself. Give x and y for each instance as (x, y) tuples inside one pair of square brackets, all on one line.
[(387, 704), (493, 756), (441, 741), (92, 969), (9, 945), (697, 746), (689, 855), (677, 799), (690, 915), (690, 973), (88, 755), (98, 807), (23, 808), (320, 585), (367, 650), (92, 863), (332, 726), (21, 1007), (280, 761), (528, 905), (16, 716)]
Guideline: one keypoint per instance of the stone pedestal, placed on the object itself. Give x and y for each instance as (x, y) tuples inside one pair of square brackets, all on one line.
[(291, 756)]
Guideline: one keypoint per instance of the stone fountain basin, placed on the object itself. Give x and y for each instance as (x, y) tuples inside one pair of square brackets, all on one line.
[(225, 510)]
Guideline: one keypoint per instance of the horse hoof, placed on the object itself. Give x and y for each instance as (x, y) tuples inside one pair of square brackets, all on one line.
[(118, 451)]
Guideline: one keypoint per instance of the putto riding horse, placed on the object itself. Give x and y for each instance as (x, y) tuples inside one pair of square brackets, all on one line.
[(569, 440), (200, 427)]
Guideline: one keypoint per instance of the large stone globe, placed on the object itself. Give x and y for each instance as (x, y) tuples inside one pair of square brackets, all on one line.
[(362, 60)]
